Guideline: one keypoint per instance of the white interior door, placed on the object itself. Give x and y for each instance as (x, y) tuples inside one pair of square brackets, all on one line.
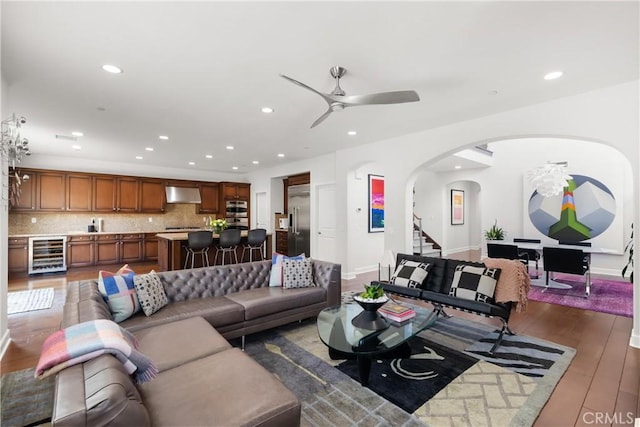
[(262, 212), (326, 222)]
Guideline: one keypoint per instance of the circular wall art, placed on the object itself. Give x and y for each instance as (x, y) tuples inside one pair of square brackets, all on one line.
[(585, 210)]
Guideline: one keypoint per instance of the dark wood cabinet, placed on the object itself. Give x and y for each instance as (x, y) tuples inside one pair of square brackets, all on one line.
[(79, 189), (18, 254), (127, 195), (51, 192), (152, 196), (235, 191), (115, 194), (282, 242), (210, 195), (26, 200), (80, 251)]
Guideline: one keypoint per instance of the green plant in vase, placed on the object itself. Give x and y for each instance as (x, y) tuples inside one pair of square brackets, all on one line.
[(217, 225), (373, 292), (495, 232)]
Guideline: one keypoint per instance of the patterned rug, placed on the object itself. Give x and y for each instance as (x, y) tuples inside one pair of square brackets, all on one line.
[(26, 400), (33, 299), (486, 393), (607, 296)]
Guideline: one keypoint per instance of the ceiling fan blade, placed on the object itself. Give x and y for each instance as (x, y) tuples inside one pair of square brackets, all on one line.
[(321, 118), (294, 81), (397, 97)]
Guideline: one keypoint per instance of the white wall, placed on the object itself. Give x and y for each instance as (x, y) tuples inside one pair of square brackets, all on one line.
[(4, 224)]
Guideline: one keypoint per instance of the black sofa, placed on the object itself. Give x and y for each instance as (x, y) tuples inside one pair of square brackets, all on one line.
[(435, 290)]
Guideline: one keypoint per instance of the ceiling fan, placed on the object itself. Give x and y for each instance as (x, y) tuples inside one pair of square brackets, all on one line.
[(338, 100)]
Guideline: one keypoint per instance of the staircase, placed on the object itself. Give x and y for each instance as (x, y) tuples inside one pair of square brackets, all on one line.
[(423, 244)]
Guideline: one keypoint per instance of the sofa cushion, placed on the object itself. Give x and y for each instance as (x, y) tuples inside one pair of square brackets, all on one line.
[(265, 301), (218, 311), (150, 292), (474, 283), (410, 274), (228, 388), (119, 292), (297, 273), (176, 343), (450, 270), (275, 278), (437, 271)]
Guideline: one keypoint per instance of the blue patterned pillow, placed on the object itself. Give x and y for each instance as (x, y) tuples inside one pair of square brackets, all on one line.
[(119, 292)]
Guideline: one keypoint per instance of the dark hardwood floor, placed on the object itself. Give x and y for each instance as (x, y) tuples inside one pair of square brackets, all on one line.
[(600, 387)]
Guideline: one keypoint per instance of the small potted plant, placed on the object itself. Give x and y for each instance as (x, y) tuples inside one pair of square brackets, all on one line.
[(371, 300), (495, 232), (217, 225)]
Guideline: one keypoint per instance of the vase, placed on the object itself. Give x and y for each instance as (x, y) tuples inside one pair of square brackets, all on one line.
[(370, 319), (217, 230)]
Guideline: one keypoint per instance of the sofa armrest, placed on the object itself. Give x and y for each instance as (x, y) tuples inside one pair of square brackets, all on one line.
[(328, 275)]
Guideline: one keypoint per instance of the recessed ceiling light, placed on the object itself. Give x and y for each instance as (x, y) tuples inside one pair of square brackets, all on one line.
[(138, 157), (149, 148), (209, 156), (493, 92), (76, 133), (457, 167), (553, 75), (280, 155), (267, 110), (235, 168), (230, 147), (163, 137), (76, 147), (352, 133), (255, 162), (192, 163), (112, 69)]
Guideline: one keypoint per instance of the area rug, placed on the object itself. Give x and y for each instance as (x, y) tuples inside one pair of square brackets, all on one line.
[(26, 401), (33, 299), (607, 296), (483, 394)]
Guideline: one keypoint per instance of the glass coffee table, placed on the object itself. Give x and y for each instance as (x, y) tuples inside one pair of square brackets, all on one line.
[(348, 341)]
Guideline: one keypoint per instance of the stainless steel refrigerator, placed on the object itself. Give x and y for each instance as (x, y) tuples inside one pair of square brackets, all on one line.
[(299, 202)]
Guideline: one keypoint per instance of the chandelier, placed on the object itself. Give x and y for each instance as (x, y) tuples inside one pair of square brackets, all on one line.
[(550, 179), (12, 146)]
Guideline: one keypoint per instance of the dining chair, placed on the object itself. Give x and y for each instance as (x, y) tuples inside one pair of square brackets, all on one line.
[(229, 241), (198, 242), (498, 250), (566, 260), (255, 242), (534, 254)]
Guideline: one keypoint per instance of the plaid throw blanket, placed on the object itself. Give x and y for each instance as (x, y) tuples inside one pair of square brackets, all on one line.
[(87, 340)]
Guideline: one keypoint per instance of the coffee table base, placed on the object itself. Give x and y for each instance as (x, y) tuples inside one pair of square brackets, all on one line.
[(403, 351)]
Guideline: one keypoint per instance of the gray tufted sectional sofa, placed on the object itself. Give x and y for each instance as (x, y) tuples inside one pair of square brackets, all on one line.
[(202, 379)]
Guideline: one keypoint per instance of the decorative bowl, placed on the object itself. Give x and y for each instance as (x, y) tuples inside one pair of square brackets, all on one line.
[(370, 318)]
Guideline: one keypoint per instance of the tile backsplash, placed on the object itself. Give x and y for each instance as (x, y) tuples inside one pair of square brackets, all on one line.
[(176, 215)]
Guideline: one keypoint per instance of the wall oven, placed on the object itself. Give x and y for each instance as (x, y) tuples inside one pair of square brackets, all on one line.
[(236, 214)]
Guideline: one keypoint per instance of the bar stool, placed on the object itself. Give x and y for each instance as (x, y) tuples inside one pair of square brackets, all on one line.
[(255, 242), (229, 240), (198, 242)]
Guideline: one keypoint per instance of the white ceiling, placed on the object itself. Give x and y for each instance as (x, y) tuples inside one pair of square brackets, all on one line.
[(200, 72)]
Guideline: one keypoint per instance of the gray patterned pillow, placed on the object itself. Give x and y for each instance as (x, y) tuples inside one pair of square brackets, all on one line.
[(297, 273), (150, 292)]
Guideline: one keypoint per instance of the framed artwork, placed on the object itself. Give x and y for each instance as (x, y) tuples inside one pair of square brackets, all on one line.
[(457, 207), (376, 203)]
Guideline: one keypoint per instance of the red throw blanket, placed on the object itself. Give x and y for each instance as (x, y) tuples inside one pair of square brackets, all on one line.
[(514, 281), (87, 340)]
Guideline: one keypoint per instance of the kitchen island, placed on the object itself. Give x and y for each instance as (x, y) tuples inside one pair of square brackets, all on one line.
[(172, 250)]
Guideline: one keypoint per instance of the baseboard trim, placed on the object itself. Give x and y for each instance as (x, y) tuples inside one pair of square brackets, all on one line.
[(4, 344), (634, 341)]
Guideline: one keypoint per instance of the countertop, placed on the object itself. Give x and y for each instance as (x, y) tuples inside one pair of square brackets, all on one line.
[(184, 235)]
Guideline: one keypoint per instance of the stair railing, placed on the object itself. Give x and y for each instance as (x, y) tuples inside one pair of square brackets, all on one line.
[(419, 219)]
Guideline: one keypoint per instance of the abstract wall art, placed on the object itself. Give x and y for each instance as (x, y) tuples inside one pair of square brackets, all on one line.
[(457, 207), (376, 203)]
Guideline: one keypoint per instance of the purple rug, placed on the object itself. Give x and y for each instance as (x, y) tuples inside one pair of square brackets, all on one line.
[(607, 296)]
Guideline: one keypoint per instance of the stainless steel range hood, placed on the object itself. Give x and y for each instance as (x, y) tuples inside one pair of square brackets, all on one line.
[(183, 195)]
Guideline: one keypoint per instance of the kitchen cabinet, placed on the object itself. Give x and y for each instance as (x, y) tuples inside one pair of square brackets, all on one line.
[(80, 251), (282, 241), (210, 195), (150, 247), (107, 249), (27, 199), (152, 196), (130, 247), (115, 194), (18, 254), (51, 192), (79, 192), (235, 191)]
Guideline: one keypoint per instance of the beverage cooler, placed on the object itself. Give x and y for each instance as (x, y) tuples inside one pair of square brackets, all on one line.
[(47, 254)]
